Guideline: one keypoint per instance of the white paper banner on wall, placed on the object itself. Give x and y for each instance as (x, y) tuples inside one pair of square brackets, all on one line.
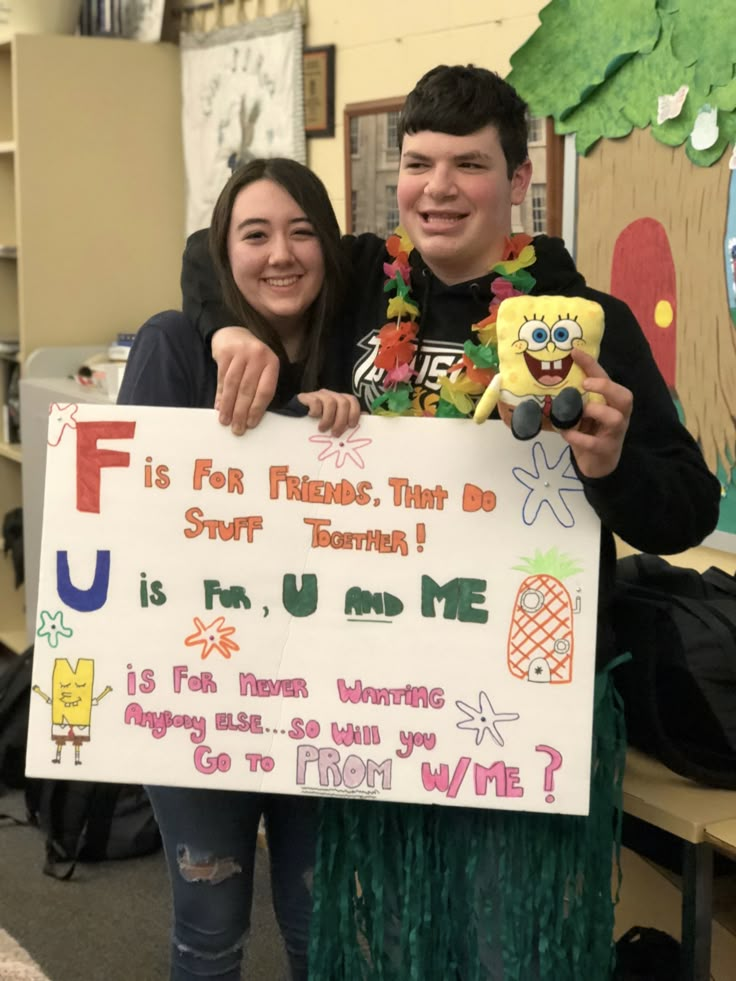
[(307, 615), (242, 97)]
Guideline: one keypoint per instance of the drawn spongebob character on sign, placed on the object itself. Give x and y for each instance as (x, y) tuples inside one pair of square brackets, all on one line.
[(538, 385), (540, 644), (71, 704)]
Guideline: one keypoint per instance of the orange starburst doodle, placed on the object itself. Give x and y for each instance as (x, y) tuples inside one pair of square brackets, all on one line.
[(213, 636)]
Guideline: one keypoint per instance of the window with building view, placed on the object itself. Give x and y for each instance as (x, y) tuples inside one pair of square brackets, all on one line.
[(536, 129), (392, 209), (392, 134), (539, 208), (533, 215)]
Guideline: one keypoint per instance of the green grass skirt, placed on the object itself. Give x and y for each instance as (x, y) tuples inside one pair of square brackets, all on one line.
[(461, 894)]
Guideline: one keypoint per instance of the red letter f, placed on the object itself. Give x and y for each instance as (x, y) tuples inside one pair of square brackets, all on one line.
[(91, 459)]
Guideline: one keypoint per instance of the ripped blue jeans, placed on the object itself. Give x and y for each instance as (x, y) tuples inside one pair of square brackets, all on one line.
[(210, 839)]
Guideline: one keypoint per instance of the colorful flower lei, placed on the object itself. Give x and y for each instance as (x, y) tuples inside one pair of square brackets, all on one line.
[(397, 340)]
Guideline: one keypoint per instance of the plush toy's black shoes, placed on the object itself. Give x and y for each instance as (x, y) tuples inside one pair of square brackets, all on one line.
[(567, 409), (526, 419)]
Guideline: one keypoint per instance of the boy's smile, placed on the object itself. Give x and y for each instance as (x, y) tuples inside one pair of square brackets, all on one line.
[(455, 199)]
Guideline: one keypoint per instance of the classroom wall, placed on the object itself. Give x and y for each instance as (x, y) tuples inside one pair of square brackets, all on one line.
[(382, 48)]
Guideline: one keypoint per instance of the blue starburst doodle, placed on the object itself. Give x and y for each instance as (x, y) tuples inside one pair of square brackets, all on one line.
[(484, 719), (546, 484)]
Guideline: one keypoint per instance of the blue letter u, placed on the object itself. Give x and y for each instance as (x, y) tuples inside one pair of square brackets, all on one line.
[(83, 600)]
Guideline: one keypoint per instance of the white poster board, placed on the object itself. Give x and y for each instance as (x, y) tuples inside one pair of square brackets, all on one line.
[(300, 614)]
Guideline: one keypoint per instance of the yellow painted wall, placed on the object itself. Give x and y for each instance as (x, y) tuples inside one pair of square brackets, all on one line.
[(383, 47)]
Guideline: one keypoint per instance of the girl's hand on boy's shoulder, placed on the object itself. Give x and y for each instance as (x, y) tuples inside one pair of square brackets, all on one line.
[(247, 373), (598, 439), (336, 411)]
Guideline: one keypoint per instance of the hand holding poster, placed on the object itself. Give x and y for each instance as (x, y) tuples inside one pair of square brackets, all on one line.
[(407, 612)]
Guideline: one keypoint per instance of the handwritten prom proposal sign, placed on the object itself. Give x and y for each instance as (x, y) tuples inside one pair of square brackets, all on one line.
[(407, 612)]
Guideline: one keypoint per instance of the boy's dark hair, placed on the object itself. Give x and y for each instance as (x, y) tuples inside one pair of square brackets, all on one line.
[(461, 99), (310, 194)]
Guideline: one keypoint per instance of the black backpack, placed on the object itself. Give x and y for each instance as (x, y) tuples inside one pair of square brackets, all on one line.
[(90, 822), (15, 694), (679, 687), (646, 954), (86, 822)]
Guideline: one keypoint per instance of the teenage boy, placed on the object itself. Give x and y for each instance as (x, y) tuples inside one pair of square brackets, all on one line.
[(450, 893)]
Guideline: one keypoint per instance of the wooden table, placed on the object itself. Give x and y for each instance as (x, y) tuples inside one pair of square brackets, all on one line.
[(722, 835), (703, 819)]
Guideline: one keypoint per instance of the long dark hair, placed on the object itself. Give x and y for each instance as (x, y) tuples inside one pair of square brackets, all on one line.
[(310, 194)]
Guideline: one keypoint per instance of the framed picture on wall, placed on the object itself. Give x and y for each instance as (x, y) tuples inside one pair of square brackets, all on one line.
[(319, 91)]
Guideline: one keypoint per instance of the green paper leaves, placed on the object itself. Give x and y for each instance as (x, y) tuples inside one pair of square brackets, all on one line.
[(600, 69), (703, 36), (578, 45)]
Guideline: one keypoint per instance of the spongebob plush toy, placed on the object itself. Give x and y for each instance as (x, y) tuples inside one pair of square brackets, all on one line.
[(538, 385)]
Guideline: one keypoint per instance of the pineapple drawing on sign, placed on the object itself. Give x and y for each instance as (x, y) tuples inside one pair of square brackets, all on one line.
[(540, 646)]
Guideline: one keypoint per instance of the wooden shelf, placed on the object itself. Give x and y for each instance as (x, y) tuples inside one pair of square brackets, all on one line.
[(14, 639), (111, 119), (11, 451)]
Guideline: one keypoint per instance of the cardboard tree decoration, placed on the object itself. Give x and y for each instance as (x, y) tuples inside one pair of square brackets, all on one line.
[(652, 207)]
